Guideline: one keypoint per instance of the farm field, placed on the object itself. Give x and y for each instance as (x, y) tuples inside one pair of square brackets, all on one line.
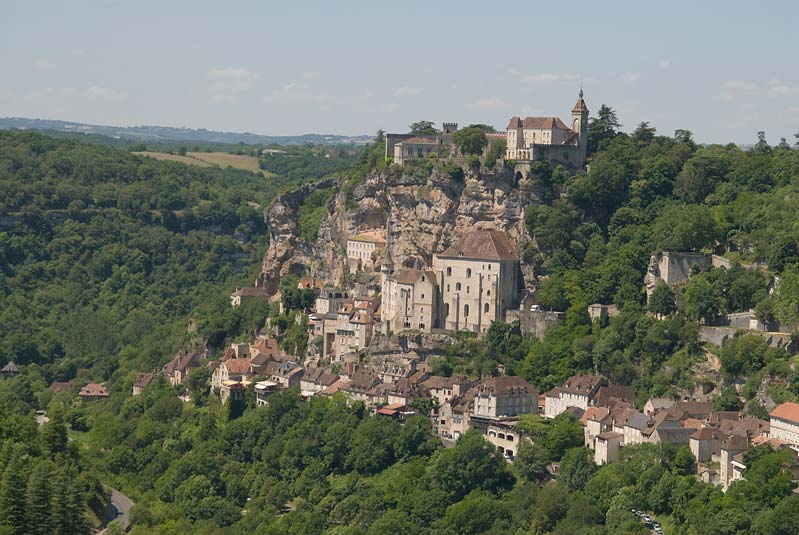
[(211, 159)]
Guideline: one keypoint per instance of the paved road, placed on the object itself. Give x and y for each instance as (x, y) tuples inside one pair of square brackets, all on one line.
[(122, 505)]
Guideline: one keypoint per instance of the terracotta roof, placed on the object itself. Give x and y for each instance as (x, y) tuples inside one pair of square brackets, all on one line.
[(335, 387), (183, 362), (553, 393), (747, 427), (607, 435), (537, 123), (484, 245), (734, 443), (708, 433), (238, 366), (787, 411), (594, 413), (370, 236), (93, 390)]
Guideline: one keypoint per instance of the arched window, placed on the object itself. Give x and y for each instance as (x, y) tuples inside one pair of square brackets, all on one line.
[(449, 272), (468, 272), (485, 308), (465, 311), (457, 286)]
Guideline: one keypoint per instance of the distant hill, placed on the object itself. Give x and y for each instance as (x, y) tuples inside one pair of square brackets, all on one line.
[(168, 133)]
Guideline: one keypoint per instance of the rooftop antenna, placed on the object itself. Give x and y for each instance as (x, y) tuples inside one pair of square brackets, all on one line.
[(581, 86)]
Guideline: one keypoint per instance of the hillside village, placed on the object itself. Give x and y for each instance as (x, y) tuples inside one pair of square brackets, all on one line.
[(469, 285)]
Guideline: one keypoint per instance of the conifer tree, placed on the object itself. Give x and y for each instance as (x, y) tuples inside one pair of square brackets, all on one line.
[(12, 496), (37, 501)]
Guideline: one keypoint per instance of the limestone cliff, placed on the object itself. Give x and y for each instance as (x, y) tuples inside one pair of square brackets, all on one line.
[(430, 211)]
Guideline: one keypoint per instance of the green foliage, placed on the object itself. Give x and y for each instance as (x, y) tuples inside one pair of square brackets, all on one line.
[(423, 128), (662, 300), (312, 211), (470, 140)]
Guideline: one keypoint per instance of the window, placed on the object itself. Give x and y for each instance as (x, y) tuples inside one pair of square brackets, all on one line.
[(422, 296), (485, 308), (447, 287), (423, 279), (457, 286), (446, 309), (468, 272), (465, 311), (449, 272), (489, 267), (488, 292)]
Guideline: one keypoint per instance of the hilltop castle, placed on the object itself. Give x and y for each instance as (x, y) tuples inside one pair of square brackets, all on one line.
[(549, 139), (528, 139)]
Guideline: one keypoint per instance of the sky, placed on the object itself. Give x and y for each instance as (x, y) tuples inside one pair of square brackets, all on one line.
[(722, 69)]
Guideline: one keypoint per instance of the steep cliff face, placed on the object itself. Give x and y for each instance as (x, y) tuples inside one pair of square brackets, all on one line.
[(429, 212)]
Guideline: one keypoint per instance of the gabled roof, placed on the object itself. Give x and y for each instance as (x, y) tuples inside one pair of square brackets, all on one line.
[(238, 366), (582, 384), (483, 245), (251, 292), (143, 379), (594, 413), (11, 367), (608, 393), (420, 140), (788, 411), (537, 123), (674, 435), (505, 384), (93, 390), (410, 276), (183, 362)]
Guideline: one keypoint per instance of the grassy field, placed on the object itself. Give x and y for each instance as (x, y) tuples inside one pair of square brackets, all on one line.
[(209, 159)]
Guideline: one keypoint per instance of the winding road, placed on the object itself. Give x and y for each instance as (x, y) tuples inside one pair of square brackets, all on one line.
[(122, 505)]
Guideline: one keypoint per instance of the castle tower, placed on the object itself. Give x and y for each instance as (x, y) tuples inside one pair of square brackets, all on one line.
[(386, 284), (580, 126), (449, 128)]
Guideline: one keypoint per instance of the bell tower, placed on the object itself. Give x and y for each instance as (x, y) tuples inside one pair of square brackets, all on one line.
[(580, 126)]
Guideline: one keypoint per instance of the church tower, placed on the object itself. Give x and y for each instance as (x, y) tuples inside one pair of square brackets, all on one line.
[(580, 126), (386, 284)]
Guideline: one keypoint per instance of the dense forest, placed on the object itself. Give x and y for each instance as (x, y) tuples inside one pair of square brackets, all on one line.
[(106, 257)]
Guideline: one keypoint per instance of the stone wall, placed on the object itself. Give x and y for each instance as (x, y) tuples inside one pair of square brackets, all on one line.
[(721, 335), (535, 322)]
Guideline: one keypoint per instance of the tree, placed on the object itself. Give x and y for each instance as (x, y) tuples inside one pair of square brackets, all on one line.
[(762, 146), (684, 461), (37, 501), (576, 468), (602, 129), (472, 464), (372, 447), (531, 461), (727, 400), (423, 128), (644, 133), (380, 136), (470, 141), (416, 438), (197, 383), (12, 496), (661, 301)]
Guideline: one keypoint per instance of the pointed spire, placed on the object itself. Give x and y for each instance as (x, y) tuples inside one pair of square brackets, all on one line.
[(580, 106)]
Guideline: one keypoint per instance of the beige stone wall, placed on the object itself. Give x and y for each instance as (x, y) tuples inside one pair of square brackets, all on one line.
[(475, 292)]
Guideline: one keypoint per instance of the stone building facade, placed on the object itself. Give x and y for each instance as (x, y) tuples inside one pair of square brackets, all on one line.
[(550, 139)]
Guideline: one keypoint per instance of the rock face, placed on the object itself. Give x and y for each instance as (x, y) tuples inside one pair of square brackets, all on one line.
[(429, 212)]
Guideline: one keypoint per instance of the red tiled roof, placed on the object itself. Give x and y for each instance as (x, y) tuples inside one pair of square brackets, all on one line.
[(238, 366), (537, 123), (93, 390), (787, 411)]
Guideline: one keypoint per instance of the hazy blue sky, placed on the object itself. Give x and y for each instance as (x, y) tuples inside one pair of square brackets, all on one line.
[(723, 69)]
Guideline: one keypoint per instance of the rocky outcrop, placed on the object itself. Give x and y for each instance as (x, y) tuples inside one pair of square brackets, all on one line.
[(429, 212)]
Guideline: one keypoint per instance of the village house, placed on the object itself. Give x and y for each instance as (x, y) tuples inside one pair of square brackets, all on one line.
[(784, 422), (286, 374), (505, 437), (444, 389), (314, 380), (231, 371), (249, 294), (142, 381), (453, 416), (179, 367), (578, 391), (505, 396), (403, 148), (263, 391), (363, 249), (607, 447), (405, 392), (93, 392), (353, 329), (705, 443)]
